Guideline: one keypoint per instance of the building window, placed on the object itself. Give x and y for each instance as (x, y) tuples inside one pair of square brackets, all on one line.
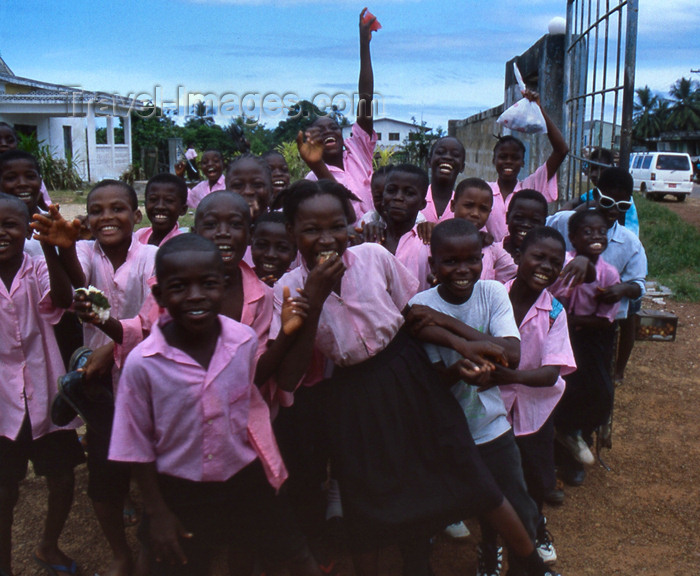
[(394, 136), (379, 136)]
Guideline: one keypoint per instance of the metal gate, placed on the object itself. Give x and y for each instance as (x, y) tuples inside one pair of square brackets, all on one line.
[(599, 66)]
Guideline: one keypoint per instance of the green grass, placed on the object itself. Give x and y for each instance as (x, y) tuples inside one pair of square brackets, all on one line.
[(672, 247), (68, 196)]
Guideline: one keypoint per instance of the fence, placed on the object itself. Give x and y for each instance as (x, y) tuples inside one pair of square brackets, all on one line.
[(599, 67)]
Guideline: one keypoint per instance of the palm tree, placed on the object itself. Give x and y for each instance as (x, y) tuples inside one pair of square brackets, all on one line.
[(646, 119), (684, 110)]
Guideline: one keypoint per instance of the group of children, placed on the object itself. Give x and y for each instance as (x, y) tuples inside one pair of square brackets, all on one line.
[(410, 341)]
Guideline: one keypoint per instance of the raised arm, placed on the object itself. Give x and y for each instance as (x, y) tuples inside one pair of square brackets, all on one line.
[(559, 146), (61, 290), (365, 85)]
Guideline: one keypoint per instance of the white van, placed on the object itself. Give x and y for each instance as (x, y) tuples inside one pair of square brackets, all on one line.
[(659, 173)]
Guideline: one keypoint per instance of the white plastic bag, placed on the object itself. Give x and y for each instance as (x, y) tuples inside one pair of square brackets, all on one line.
[(524, 115)]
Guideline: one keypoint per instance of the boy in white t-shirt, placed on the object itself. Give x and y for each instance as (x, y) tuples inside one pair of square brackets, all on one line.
[(479, 314)]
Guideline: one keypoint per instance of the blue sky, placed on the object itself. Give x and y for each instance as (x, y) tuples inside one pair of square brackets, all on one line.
[(432, 60)]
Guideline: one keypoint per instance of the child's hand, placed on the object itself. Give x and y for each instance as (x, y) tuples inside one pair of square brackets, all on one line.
[(82, 306), (180, 169), (294, 311), (532, 96), (501, 375), (420, 316), (368, 24), (322, 279), (310, 147), (574, 273), (486, 238), (99, 363), (373, 232), (85, 233), (54, 229), (425, 231), (482, 354), (166, 531), (471, 372), (611, 294)]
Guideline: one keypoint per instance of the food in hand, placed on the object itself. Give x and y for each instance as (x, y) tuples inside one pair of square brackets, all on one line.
[(98, 302), (323, 256)]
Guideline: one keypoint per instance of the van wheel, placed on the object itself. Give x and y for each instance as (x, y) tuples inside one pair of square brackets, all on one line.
[(681, 197)]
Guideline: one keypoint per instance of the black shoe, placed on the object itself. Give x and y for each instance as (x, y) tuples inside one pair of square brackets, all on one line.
[(573, 476), (555, 497)]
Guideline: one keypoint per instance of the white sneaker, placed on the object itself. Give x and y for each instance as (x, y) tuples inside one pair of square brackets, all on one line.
[(577, 447), (545, 544), (457, 531)]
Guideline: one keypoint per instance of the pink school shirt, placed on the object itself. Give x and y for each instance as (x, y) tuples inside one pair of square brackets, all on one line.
[(497, 264), (45, 194), (199, 424), (196, 194), (143, 235), (429, 210), (126, 288), (542, 343), (496, 224), (581, 299), (357, 169), (413, 254), (29, 355), (256, 313), (366, 316)]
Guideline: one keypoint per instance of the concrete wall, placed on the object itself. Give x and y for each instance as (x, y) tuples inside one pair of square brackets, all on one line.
[(477, 134), (542, 67)]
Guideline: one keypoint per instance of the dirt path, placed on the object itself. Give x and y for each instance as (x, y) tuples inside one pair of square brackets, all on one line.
[(688, 210), (642, 517)]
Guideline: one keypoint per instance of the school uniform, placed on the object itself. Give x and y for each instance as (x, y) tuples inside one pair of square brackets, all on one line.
[(387, 411), (544, 341), (208, 432), (625, 252), (496, 224), (413, 253), (588, 398), (31, 364), (497, 264), (143, 235), (126, 289), (356, 174), (429, 211), (198, 192)]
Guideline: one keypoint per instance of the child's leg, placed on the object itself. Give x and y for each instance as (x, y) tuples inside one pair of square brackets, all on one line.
[(626, 343), (9, 494), (366, 563), (60, 486), (415, 553)]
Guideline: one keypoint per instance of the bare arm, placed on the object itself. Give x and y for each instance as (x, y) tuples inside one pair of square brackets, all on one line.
[(319, 285), (427, 315), (61, 291), (365, 85), (559, 146), (541, 377), (165, 528)]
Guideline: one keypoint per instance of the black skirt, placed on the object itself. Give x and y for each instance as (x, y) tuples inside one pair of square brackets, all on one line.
[(401, 449)]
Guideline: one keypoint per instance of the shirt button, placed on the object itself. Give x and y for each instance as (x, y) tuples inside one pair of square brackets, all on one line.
[(210, 422), (210, 456)]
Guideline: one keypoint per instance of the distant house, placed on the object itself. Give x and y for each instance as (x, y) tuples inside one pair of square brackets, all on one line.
[(92, 128), (390, 132), (679, 141)]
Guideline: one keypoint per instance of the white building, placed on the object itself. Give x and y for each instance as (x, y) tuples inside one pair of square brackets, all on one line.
[(390, 132), (68, 120)]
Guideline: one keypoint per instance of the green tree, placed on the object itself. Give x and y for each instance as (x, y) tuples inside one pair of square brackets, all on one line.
[(684, 110), (416, 147), (151, 128), (646, 119), (299, 117)]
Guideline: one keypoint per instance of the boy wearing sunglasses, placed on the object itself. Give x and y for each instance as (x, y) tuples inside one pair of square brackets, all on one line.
[(613, 196)]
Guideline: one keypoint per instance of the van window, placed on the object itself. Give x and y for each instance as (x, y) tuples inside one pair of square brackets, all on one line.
[(638, 161), (646, 163), (668, 162)]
